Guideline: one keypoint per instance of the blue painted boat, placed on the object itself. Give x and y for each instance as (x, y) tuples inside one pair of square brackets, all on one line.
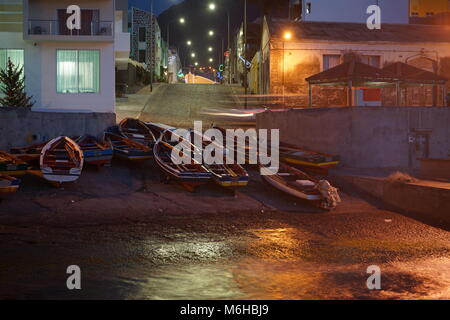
[(95, 152), (128, 149)]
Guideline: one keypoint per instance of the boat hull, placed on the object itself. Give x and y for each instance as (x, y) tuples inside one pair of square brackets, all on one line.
[(64, 166), (293, 192), (8, 185)]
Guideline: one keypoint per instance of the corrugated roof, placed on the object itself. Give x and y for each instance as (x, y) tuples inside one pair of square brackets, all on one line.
[(351, 32)]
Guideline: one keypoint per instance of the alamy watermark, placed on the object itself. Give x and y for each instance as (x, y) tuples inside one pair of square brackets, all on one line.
[(236, 146)]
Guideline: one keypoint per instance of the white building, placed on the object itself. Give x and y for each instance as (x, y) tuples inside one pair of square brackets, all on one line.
[(68, 70), (392, 11)]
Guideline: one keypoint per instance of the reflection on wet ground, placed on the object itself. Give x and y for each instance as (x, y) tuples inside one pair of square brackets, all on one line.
[(254, 263)]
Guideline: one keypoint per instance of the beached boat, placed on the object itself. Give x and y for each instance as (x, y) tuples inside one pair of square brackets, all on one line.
[(12, 165), (158, 128), (136, 130), (95, 152), (306, 158), (189, 174), (30, 153), (223, 174), (61, 160), (300, 185), (128, 149), (8, 184)]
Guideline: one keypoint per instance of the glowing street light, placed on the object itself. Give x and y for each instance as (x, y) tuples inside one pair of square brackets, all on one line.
[(210, 49), (189, 42), (212, 6), (211, 33), (196, 64), (182, 21), (287, 35), (193, 55), (211, 59)]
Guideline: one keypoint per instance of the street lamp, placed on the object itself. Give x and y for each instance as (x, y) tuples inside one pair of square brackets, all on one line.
[(211, 59), (193, 55), (196, 64), (210, 49), (211, 33), (181, 21), (287, 36), (189, 43), (212, 7)]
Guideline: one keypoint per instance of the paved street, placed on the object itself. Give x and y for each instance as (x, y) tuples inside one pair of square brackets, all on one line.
[(136, 236), (180, 104)]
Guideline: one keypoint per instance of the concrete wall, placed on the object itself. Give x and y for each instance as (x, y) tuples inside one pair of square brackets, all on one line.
[(21, 127), (365, 137)]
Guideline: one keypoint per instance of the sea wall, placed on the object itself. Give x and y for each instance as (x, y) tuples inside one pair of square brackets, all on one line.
[(20, 126), (366, 137)]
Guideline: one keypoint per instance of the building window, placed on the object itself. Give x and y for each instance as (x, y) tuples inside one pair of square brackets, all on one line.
[(142, 56), (429, 14), (142, 34), (78, 71), (374, 61), (414, 14), (308, 7), (331, 61), (16, 56)]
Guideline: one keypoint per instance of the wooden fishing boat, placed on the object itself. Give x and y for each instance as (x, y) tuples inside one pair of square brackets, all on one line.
[(158, 128), (30, 153), (8, 184), (128, 149), (11, 165), (95, 152), (61, 160), (189, 175), (300, 185), (136, 130), (307, 158), (223, 174)]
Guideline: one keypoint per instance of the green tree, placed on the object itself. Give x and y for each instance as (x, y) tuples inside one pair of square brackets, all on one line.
[(12, 85)]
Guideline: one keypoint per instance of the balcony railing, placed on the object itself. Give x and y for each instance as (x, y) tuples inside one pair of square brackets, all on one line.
[(56, 27)]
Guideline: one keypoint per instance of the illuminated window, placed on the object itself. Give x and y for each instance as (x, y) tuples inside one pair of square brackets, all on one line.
[(16, 56), (429, 14), (78, 71)]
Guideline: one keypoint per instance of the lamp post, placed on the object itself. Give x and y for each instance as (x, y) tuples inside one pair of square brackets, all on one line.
[(212, 7), (287, 36), (181, 21)]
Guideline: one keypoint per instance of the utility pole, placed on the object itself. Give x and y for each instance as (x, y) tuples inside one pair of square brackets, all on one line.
[(152, 50), (245, 53)]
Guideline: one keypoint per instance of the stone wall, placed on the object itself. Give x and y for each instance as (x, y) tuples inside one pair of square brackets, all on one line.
[(366, 137), (21, 127)]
